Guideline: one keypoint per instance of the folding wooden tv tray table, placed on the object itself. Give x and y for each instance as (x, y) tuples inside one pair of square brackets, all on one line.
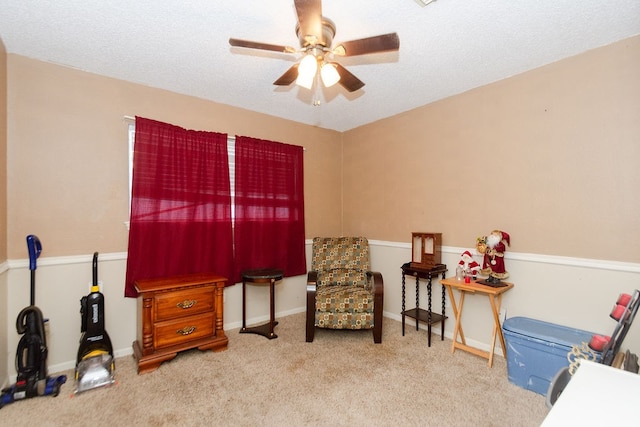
[(495, 298)]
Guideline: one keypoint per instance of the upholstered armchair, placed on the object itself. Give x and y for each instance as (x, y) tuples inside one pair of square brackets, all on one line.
[(342, 292)]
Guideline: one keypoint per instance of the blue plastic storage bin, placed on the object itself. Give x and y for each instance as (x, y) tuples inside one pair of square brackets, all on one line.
[(537, 350)]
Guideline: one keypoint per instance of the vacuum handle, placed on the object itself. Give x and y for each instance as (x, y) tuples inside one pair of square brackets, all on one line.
[(35, 247), (95, 269)]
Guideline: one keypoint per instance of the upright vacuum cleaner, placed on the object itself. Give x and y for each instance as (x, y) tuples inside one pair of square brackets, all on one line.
[(31, 356), (95, 365)]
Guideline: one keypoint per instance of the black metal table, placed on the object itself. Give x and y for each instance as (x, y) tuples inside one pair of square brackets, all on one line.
[(417, 313), (265, 275)]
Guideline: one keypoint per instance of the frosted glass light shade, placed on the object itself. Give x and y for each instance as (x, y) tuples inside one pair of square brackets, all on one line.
[(307, 71), (329, 74)]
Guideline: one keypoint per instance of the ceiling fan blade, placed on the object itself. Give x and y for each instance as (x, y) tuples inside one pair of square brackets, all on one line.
[(381, 43), (348, 80), (288, 77), (310, 21), (262, 46)]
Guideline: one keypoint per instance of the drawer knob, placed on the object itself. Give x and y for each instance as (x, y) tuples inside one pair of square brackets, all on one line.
[(187, 330), (188, 303)]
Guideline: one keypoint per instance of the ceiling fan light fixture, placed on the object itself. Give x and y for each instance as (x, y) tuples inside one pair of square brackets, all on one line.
[(329, 74), (307, 71), (315, 34)]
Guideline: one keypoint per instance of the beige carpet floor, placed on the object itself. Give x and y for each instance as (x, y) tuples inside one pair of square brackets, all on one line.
[(340, 379)]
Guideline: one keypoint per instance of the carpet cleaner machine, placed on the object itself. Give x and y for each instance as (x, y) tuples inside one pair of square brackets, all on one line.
[(31, 355), (95, 365)]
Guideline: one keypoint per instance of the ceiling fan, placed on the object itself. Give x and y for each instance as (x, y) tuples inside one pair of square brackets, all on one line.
[(315, 34)]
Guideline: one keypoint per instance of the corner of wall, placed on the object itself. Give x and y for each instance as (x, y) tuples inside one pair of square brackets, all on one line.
[(3, 216), (4, 358)]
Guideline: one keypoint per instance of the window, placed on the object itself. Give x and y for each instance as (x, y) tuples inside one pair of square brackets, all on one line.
[(201, 201), (269, 206), (231, 150)]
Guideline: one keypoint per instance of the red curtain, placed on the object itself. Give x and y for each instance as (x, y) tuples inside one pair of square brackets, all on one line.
[(180, 205), (269, 207)]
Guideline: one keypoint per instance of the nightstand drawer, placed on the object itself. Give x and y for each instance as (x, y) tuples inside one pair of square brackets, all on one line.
[(184, 329), (169, 305)]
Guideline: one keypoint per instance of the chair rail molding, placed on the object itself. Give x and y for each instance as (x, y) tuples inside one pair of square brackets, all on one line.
[(628, 267)]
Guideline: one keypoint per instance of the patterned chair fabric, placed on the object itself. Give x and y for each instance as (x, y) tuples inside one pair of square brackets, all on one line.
[(342, 292)]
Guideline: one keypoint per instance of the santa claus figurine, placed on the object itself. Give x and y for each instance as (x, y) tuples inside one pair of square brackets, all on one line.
[(469, 265), (493, 247)]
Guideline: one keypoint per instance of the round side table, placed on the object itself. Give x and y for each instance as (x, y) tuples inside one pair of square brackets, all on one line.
[(265, 275)]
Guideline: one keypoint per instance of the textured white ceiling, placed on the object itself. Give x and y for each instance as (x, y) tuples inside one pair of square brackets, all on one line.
[(446, 48)]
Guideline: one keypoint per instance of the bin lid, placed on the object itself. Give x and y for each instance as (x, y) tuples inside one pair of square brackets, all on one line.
[(545, 331)]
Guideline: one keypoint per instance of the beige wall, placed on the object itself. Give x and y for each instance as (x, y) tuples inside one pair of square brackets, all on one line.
[(67, 172), (550, 156), (3, 212), (3, 153)]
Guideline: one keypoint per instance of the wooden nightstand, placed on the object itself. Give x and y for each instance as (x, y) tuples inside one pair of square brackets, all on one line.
[(176, 314)]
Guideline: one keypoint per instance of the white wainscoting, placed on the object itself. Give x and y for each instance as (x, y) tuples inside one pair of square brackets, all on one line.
[(573, 292)]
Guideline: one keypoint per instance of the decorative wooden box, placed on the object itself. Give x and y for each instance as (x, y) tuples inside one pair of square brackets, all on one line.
[(426, 250)]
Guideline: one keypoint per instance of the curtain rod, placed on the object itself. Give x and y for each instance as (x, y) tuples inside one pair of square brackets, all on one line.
[(133, 119)]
